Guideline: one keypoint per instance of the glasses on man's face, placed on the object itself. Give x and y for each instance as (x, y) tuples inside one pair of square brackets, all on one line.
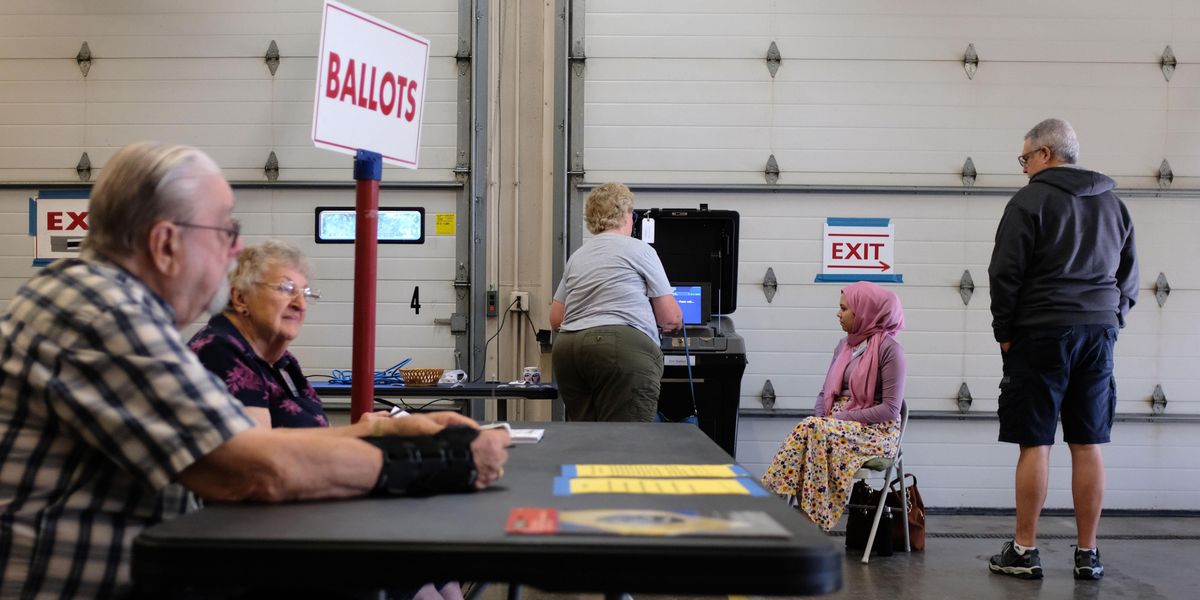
[(1024, 158), (287, 287), (232, 231)]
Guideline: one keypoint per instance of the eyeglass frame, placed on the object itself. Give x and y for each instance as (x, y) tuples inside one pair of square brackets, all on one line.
[(233, 231), (307, 292), (1024, 158)]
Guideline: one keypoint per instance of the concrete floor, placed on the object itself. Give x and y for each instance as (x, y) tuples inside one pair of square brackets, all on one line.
[(1144, 557)]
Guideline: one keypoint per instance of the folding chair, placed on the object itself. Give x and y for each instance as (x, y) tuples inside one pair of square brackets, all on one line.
[(889, 467)]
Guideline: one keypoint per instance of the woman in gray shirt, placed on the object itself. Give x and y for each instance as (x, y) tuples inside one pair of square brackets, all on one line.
[(613, 298)]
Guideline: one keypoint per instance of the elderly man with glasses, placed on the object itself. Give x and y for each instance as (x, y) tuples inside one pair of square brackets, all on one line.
[(104, 409), (1063, 277)]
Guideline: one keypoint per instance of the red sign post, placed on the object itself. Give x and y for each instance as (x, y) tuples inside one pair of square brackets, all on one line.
[(368, 169), (369, 101)]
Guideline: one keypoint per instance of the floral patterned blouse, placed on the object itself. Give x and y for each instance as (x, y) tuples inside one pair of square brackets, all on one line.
[(280, 388)]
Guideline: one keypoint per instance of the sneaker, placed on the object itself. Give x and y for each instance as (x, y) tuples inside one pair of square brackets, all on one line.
[(1087, 564), (1024, 566)]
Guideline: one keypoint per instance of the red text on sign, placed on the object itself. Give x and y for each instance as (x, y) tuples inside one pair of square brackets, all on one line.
[(861, 250), (364, 86), (77, 220)]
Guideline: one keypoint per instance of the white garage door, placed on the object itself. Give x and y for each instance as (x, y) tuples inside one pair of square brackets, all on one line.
[(871, 114), (195, 73)]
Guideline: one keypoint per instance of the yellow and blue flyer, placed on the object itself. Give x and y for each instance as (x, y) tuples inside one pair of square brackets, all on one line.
[(742, 486), (657, 471)]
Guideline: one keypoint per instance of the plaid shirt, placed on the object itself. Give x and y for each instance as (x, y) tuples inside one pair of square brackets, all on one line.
[(101, 406)]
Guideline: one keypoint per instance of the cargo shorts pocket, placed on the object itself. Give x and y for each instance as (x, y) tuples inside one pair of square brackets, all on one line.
[(1043, 350)]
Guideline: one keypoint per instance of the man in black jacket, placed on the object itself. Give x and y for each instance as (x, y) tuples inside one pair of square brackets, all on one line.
[(1063, 276)]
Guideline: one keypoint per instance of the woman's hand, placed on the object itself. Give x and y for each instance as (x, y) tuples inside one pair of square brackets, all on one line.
[(382, 423), (448, 417), (412, 424)]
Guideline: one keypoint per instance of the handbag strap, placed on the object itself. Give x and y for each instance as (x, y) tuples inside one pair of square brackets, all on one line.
[(896, 481)]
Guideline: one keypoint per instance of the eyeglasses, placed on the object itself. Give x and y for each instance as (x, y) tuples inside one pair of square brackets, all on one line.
[(288, 287), (1024, 158), (234, 229)]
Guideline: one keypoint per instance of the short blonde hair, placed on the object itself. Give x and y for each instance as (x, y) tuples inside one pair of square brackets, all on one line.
[(253, 262), (606, 206)]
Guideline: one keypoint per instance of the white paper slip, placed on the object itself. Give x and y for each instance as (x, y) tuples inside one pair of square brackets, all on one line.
[(526, 436)]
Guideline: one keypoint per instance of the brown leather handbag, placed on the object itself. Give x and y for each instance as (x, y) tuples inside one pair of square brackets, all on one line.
[(916, 514)]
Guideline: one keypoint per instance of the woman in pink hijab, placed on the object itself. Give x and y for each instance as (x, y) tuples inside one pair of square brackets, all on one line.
[(857, 415)]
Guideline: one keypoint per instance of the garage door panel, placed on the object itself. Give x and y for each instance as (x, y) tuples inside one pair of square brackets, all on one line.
[(925, 343), (40, 91), (308, 163), (1032, 87), (182, 113), (387, 313), (763, 250), (939, 252), (815, 341), (193, 135), (749, 162), (642, 114), (342, 335), (1183, 119), (281, 202), (744, 21), (715, 72), (678, 92), (212, 90), (686, 139), (957, 226), (1041, 31), (974, 140), (60, 113), (676, 46), (1010, 121), (31, 70), (32, 136)]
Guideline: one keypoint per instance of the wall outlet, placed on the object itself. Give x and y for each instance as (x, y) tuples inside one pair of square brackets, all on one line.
[(491, 303), (519, 301)]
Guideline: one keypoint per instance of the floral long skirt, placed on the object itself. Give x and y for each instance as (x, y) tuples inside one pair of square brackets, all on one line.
[(815, 466)]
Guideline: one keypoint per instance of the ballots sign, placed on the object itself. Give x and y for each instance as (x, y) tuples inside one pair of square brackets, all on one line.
[(859, 250), (58, 222), (370, 86)]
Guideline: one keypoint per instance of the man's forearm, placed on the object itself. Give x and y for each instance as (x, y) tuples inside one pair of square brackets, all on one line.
[(278, 465)]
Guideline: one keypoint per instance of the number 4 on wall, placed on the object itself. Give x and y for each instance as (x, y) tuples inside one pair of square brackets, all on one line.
[(416, 300)]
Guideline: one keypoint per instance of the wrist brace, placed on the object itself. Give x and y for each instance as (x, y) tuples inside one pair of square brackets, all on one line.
[(426, 465)]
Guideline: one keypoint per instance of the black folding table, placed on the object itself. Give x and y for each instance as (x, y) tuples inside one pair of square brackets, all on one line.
[(472, 395), (397, 542)]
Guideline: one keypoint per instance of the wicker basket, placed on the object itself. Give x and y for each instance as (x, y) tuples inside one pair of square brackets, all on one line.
[(420, 377)]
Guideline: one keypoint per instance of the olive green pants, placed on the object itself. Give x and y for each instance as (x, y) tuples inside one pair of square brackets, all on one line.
[(608, 373)]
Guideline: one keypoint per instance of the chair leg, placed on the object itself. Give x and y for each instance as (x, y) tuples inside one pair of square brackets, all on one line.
[(904, 503), (878, 514)]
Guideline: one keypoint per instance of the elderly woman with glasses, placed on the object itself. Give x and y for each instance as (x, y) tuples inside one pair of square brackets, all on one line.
[(246, 345)]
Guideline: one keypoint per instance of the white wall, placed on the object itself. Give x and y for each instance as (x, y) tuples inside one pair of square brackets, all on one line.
[(874, 94), (194, 73)]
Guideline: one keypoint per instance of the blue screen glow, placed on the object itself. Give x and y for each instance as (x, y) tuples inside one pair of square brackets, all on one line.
[(690, 299)]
